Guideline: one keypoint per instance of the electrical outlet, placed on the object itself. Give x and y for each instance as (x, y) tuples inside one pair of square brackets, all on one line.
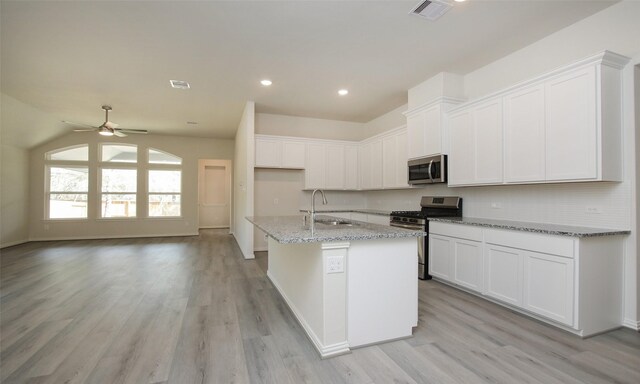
[(496, 205), (593, 210), (335, 264)]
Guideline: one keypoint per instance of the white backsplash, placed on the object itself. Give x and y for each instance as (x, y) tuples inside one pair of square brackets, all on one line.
[(568, 203)]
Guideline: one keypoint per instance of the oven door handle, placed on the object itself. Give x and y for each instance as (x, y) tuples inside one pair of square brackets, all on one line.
[(414, 227), (429, 170)]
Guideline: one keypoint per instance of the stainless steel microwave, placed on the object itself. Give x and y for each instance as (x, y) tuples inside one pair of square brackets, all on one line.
[(428, 170)]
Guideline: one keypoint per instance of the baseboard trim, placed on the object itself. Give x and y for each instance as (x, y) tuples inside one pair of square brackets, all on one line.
[(215, 227), (114, 237), (261, 249), (325, 351), (633, 324), (12, 243)]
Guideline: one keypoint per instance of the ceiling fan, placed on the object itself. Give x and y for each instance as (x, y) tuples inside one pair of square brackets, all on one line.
[(107, 128)]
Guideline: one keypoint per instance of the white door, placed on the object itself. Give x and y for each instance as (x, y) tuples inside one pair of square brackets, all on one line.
[(214, 193), (440, 256), (334, 167), (467, 264), (415, 135), (548, 286), (390, 162), (503, 274), (487, 120), (462, 149)]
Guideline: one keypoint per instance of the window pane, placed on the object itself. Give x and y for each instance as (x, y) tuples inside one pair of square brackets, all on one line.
[(118, 205), (164, 181), (67, 206), (69, 154), (159, 157), (68, 179), (119, 180), (119, 153), (164, 205)]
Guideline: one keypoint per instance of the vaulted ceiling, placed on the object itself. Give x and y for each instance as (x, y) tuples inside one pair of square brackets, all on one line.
[(68, 58)]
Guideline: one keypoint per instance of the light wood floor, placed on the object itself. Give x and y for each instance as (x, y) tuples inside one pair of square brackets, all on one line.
[(191, 310)]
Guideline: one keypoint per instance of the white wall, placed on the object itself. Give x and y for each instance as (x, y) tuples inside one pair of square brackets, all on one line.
[(243, 190), (14, 192), (189, 149), (615, 29), (281, 125), (385, 122)]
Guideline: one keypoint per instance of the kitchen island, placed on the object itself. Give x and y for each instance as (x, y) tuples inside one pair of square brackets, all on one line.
[(348, 283)]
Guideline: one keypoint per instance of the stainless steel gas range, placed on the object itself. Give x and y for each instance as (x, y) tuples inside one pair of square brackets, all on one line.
[(432, 206)]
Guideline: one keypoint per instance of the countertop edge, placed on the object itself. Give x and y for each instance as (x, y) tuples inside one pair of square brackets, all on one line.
[(556, 229)]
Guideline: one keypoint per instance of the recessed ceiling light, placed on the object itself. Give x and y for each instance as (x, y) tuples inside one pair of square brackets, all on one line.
[(343, 92), (179, 84), (266, 82)]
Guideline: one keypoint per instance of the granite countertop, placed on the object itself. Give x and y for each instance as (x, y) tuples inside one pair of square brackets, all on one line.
[(549, 229), (290, 229), (358, 210)]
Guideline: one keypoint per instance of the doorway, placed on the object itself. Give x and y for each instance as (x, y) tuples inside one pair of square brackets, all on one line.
[(214, 193)]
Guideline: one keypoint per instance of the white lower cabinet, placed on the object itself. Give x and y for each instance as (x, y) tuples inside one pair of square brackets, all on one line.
[(572, 282), (548, 286), (503, 269), (456, 259)]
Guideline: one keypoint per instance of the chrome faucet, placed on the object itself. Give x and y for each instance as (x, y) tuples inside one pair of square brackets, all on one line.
[(313, 207)]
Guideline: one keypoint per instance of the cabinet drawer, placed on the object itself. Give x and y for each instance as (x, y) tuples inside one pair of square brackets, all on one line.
[(553, 245), (460, 231)]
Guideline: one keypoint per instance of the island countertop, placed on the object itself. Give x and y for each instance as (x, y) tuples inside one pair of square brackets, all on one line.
[(290, 230)]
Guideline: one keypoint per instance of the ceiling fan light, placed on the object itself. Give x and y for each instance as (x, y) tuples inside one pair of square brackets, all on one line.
[(104, 131)]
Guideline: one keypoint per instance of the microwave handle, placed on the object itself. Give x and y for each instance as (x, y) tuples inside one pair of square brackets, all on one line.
[(429, 170)]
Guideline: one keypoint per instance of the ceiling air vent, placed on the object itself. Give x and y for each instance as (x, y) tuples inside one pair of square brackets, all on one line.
[(180, 84), (431, 9)]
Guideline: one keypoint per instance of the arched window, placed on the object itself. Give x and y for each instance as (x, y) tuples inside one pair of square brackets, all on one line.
[(118, 180), (67, 183)]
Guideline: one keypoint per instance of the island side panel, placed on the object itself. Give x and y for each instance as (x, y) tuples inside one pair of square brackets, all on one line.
[(317, 299), (382, 290)]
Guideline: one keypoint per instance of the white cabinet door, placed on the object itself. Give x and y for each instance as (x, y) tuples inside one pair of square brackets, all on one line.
[(462, 149), (524, 135), (487, 122), (402, 176), (548, 286), (390, 162), (334, 167), (503, 274), (433, 131), (467, 264), (315, 166), (415, 135), (571, 126), (364, 160), (293, 154), (440, 255), (351, 167), (376, 164), (268, 153)]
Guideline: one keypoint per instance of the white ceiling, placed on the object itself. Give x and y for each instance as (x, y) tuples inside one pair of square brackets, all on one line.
[(68, 58)]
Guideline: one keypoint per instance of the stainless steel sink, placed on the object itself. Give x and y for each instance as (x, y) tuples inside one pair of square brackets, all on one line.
[(335, 223)]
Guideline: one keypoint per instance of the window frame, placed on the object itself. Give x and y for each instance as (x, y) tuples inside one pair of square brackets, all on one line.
[(163, 167), (53, 163)]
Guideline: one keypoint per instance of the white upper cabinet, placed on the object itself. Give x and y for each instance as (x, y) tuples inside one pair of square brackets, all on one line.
[(564, 126), (426, 135), (315, 166), (475, 152), (376, 164), (364, 162), (279, 152), (334, 177), (268, 153), (402, 176), (390, 167), (572, 123), (524, 135), (293, 154), (351, 181)]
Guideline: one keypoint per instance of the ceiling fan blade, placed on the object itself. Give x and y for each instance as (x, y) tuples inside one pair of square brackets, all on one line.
[(85, 130), (79, 124), (118, 133), (125, 130), (111, 125)]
